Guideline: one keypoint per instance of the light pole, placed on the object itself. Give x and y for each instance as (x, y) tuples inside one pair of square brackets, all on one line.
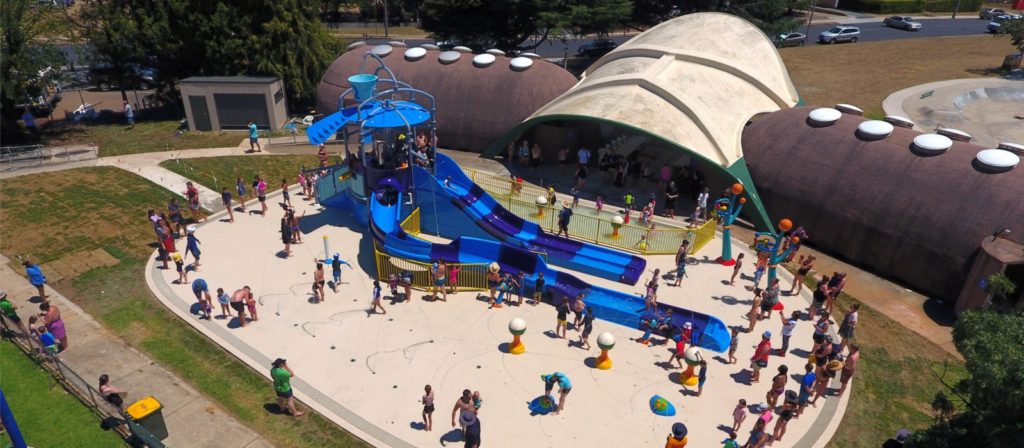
[(385, 2), (807, 32), (728, 217)]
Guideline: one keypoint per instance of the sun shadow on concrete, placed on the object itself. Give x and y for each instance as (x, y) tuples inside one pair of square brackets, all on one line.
[(742, 377), (452, 436), (940, 313)]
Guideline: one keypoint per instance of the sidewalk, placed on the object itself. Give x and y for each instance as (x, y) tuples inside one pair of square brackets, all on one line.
[(95, 351)]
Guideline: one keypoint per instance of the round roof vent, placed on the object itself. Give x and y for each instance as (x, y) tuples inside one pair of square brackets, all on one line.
[(382, 50), (462, 49), (519, 64), (875, 128), (899, 121), (955, 134), (932, 142), (999, 159), (483, 60), (396, 43), (849, 109), (530, 55), (825, 115), (1012, 147), (495, 52), (430, 46), (415, 54), (447, 57), (356, 44)]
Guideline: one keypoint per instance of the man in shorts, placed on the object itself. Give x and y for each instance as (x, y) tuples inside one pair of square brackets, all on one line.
[(238, 300), (8, 310), (282, 375), (254, 138), (202, 292), (538, 288), (681, 254), (564, 387)]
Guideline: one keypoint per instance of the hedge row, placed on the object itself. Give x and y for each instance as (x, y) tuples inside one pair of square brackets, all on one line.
[(905, 6)]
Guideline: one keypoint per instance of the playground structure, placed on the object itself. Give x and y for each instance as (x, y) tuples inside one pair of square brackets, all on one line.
[(388, 180)]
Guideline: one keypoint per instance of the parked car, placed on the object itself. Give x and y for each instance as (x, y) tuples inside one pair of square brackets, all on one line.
[(902, 22), (990, 13), (996, 25), (791, 39), (596, 48), (839, 34), (106, 77)]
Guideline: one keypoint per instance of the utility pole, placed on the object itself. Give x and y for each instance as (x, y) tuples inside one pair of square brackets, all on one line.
[(807, 32), (956, 7), (385, 2)]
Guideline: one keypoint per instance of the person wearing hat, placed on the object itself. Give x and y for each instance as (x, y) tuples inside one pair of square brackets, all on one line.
[(282, 376), (760, 358), (564, 387), (681, 339), (551, 196), (898, 440), (36, 278), (493, 280), (563, 219), (336, 263), (678, 437), (7, 309), (464, 406)]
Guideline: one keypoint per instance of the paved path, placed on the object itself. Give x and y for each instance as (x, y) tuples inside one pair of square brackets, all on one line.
[(192, 419)]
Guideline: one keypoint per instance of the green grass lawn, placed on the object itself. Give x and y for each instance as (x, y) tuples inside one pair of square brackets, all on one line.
[(220, 172), (895, 381), (46, 413), (48, 216), (116, 139)]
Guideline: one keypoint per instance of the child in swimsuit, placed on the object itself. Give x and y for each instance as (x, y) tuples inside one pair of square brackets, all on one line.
[(224, 301)]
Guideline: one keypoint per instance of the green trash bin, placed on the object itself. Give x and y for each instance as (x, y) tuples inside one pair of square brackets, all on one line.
[(149, 414)]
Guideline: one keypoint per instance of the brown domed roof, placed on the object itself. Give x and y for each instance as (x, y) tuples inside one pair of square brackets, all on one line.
[(882, 204), (475, 105)]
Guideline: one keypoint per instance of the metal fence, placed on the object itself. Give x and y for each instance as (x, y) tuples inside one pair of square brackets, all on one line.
[(74, 384), (15, 157), (471, 277), (590, 224)]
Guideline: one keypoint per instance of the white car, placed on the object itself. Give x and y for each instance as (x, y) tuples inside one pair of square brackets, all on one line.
[(902, 22), (996, 25), (839, 34)]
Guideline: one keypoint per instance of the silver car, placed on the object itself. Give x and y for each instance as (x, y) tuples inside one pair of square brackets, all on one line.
[(902, 22), (990, 13), (996, 25), (839, 34)]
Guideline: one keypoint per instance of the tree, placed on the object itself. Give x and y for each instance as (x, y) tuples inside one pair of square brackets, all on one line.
[(772, 16), (1014, 29), (989, 402), (24, 55), (647, 13), (508, 24), (1000, 287), (182, 38)]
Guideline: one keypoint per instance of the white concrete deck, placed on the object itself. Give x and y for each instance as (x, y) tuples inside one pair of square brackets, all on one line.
[(367, 372)]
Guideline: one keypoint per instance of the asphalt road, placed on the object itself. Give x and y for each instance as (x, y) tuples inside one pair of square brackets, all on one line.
[(870, 31)]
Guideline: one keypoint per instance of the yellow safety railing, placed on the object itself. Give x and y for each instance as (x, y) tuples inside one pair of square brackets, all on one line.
[(411, 223), (589, 224), (472, 276)]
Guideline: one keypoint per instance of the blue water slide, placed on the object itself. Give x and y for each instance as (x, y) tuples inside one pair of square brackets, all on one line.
[(622, 308), (502, 224)]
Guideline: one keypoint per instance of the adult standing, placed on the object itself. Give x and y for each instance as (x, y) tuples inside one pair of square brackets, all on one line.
[(472, 431), (54, 323), (321, 154), (820, 297), (835, 287), (760, 358), (702, 205), (671, 194), (820, 330), (681, 256), (524, 153), (849, 326), (282, 376), (535, 156), (778, 386), (254, 138), (238, 300), (771, 298), (192, 247), (583, 156), (564, 387), (788, 325), (464, 405), (129, 115), (563, 219), (286, 236), (318, 281), (849, 368), (439, 273), (806, 388), (36, 278), (806, 264), (563, 155), (240, 186)]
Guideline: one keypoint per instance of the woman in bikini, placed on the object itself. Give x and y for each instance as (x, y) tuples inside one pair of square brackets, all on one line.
[(778, 387), (806, 264)]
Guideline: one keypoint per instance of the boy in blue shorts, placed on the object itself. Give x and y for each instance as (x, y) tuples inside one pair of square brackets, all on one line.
[(336, 263)]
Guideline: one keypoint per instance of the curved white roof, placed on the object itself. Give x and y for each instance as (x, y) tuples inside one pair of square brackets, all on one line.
[(694, 80)]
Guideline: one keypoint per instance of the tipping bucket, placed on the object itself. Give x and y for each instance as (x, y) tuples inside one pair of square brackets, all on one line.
[(364, 85)]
